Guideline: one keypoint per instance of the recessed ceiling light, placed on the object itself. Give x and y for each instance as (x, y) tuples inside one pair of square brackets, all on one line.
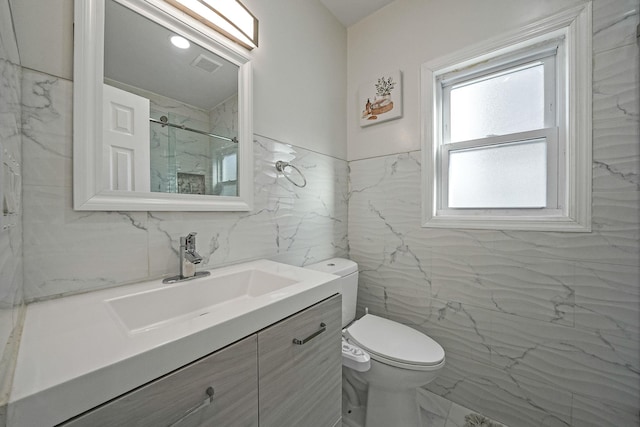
[(180, 42)]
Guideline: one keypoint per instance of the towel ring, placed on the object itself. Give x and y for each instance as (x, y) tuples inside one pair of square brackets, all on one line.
[(282, 165)]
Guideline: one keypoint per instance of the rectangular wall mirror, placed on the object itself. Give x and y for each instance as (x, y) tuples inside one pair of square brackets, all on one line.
[(162, 111)]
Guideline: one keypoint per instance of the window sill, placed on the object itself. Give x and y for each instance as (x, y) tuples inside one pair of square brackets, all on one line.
[(523, 223)]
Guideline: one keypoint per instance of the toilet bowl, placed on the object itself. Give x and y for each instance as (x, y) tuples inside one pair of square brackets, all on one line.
[(401, 358)]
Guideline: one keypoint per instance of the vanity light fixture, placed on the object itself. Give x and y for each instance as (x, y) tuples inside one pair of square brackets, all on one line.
[(180, 42), (228, 17)]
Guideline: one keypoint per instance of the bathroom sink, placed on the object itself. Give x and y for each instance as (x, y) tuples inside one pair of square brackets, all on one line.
[(154, 308), (127, 336)]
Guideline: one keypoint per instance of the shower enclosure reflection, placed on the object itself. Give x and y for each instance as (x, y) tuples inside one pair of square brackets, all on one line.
[(189, 162)]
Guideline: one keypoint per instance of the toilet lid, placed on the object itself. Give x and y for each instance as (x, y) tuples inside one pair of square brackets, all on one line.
[(395, 341)]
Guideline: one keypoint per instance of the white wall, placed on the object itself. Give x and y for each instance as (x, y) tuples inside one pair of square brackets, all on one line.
[(406, 34), (299, 67), (300, 75), (44, 30)]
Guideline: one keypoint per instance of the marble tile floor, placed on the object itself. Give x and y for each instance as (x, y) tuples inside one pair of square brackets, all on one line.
[(436, 411)]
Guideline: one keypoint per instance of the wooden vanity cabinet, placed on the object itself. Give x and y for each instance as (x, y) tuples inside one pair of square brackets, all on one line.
[(301, 385), (231, 372), (264, 379)]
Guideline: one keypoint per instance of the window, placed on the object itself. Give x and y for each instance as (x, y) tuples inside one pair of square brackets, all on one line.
[(229, 167), (226, 172), (499, 147), (507, 131)]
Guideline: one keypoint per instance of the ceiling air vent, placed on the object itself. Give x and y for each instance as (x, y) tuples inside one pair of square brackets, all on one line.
[(205, 63)]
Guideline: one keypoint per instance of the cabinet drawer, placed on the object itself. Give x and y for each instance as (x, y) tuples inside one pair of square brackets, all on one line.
[(231, 372), (300, 384)]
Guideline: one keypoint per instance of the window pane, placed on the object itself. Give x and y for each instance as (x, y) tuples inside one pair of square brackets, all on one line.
[(501, 104), (230, 167), (510, 175)]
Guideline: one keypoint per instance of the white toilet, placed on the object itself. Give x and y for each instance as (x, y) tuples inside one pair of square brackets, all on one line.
[(402, 358)]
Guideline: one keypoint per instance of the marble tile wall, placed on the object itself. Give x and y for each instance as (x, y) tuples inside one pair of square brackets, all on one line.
[(72, 252), (11, 278), (223, 118), (539, 328)]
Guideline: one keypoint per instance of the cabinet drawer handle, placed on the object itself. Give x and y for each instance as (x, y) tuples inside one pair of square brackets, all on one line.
[(195, 409), (323, 328)]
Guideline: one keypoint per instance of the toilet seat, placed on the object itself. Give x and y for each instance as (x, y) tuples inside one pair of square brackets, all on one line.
[(395, 344)]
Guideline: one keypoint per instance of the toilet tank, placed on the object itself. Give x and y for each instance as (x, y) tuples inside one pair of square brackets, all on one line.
[(348, 272)]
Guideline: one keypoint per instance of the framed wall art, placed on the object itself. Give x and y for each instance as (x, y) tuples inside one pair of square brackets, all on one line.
[(380, 99)]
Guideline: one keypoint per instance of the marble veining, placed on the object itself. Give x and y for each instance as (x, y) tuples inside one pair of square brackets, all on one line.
[(562, 324), (614, 23), (288, 224)]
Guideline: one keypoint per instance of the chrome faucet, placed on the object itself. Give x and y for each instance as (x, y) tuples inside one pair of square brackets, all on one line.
[(189, 258)]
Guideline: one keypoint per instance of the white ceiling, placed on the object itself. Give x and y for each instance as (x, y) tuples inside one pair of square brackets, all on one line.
[(137, 48), (351, 11)]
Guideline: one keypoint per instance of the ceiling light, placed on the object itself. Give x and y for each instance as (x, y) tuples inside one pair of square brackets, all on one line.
[(228, 17), (180, 42)]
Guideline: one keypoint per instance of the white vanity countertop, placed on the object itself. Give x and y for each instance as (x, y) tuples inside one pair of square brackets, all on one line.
[(74, 354)]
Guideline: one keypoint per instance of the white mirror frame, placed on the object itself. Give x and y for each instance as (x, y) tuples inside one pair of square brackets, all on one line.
[(89, 188)]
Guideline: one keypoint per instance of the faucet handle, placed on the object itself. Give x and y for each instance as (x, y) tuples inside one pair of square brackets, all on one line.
[(190, 241)]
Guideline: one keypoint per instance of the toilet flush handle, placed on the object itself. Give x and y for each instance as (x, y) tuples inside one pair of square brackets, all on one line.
[(303, 341)]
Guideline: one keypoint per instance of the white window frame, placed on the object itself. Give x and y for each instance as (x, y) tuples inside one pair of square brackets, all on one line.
[(567, 125), (544, 55)]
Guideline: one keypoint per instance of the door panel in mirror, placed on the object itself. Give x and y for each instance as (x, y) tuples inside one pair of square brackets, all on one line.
[(125, 139)]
